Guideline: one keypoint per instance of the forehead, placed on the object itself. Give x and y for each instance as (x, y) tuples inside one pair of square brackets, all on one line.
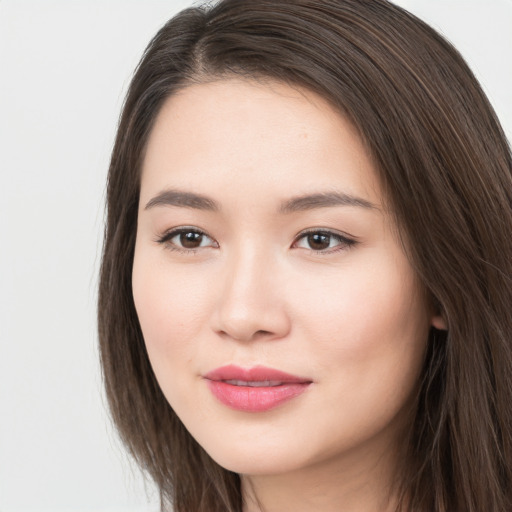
[(261, 138)]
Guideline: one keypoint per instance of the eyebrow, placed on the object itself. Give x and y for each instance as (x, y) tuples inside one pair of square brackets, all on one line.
[(184, 200), (324, 200), (180, 198)]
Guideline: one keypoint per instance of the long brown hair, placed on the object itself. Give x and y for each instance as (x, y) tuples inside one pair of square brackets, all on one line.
[(447, 171)]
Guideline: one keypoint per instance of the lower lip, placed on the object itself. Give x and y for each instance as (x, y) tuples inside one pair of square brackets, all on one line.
[(255, 399)]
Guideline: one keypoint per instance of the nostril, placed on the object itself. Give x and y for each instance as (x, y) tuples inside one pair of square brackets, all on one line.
[(261, 333), (246, 336)]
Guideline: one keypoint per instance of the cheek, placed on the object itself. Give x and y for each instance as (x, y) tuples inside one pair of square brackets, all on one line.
[(368, 322), (172, 308), (367, 342)]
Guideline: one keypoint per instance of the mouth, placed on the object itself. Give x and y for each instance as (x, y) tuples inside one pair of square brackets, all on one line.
[(255, 389), (255, 384)]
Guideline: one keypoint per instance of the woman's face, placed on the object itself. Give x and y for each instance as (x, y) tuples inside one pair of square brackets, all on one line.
[(282, 319)]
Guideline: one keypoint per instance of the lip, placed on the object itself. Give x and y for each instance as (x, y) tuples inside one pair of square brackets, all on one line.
[(256, 389)]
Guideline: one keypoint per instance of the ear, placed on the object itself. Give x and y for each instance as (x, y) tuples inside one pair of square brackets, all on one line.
[(438, 318), (439, 322)]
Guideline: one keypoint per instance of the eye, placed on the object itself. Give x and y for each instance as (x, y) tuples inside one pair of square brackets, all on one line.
[(323, 241), (186, 239)]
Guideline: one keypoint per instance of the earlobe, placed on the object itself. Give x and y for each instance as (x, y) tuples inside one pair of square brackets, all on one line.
[(439, 322), (438, 318)]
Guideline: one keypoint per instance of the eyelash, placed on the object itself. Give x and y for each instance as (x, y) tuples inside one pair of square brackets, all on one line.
[(166, 238), (345, 242)]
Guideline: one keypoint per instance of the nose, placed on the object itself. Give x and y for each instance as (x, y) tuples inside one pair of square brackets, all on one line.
[(251, 302)]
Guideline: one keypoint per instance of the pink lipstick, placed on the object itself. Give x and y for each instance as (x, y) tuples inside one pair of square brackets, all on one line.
[(255, 389)]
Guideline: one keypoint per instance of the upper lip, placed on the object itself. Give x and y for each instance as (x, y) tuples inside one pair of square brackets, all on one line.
[(254, 374)]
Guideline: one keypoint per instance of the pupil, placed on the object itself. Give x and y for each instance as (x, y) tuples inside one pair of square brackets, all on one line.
[(191, 240), (319, 241)]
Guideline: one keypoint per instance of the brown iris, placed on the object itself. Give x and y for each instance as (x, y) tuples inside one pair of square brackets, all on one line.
[(319, 241), (191, 240)]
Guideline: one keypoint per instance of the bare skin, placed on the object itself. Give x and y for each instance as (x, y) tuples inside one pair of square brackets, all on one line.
[(264, 240)]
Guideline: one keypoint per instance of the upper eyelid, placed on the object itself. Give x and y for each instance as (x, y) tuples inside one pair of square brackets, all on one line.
[(345, 241), (172, 232), (185, 229), (327, 231)]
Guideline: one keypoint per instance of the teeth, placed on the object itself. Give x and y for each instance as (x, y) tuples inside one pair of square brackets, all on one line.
[(253, 384)]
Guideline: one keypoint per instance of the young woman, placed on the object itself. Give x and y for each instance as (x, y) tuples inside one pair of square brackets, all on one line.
[(307, 273)]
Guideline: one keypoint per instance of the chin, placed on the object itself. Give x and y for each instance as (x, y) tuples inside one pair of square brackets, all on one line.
[(263, 456), (254, 463)]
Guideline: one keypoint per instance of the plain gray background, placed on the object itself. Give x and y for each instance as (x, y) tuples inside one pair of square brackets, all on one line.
[(64, 68)]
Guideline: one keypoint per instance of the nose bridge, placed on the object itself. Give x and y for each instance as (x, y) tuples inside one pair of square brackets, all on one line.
[(246, 268), (251, 302)]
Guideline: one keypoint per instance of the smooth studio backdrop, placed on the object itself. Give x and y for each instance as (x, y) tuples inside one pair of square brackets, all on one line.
[(64, 69)]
